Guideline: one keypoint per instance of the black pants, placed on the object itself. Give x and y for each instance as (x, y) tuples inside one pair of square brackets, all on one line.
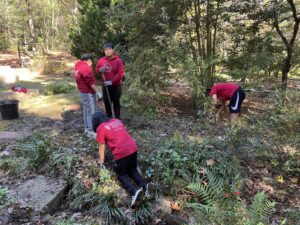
[(115, 95), (237, 100), (126, 169)]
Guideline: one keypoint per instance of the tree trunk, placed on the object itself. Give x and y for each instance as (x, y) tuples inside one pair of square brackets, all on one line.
[(209, 58), (286, 68), (197, 10), (52, 36), (215, 37), (31, 25), (288, 44)]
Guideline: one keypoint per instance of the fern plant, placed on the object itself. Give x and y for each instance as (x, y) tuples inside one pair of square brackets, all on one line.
[(219, 199), (260, 209)]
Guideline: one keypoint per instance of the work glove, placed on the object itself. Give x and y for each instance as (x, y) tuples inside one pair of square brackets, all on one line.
[(107, 83), (99, 95), (102, 69)]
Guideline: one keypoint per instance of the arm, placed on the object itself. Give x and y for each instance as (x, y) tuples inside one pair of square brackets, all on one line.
[(101, 153), (94, 87), (118, 77), (89, 79), (214, 99), (222, 108)]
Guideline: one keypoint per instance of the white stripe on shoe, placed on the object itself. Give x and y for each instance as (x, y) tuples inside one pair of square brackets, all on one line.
[(237, 102), (135, 197)]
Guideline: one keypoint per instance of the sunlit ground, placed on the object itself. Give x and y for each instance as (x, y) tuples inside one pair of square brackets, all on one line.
[(51, 106), (42, 105)]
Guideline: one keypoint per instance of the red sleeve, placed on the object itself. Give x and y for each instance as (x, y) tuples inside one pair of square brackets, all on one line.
[(213, 90), (117, 79), (88, 77), (100, 136)]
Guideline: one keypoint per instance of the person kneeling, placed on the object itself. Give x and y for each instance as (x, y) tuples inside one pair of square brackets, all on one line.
[(112, 132)]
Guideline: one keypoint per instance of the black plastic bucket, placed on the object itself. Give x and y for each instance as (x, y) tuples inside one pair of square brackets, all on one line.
[(9, 109)]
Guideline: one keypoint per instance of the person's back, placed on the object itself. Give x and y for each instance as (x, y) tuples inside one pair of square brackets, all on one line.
[(84, 77), (115, 135), (87, 88), (112, 132), (224, 91)]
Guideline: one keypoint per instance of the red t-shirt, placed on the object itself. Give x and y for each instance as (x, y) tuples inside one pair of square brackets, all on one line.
[(224, 91), (114, 134)]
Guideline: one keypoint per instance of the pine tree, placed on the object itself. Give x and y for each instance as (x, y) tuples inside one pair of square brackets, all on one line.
[(92, 31)]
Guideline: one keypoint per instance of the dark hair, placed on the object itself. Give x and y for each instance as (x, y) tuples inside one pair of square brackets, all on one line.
[(86, 56), (108, 45), (98, 118)]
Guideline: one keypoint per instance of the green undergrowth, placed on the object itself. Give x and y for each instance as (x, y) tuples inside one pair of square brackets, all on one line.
[(39, 154), (102, 199)]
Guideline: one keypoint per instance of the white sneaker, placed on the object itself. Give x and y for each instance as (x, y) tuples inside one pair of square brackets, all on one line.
[(137, 196), (91, 134)]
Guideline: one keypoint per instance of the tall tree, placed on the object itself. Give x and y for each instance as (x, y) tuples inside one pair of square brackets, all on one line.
[(31, 24), (289, 44)]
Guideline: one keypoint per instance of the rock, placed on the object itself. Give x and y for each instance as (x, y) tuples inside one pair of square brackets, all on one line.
[(41, 193), (162, 206), (7, 137), (4, 220), (174, 220)]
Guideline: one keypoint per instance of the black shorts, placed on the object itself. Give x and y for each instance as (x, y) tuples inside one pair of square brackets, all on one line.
[(237, 100)]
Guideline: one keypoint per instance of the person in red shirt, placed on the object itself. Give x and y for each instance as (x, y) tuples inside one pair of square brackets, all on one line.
[(225, 92), (112, 132), (111, 70), (88, 90)]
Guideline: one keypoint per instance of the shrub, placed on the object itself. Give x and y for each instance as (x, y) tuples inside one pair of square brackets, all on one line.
[(59, 88)]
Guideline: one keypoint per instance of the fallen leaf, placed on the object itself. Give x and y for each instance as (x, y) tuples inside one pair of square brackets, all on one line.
[(280, 179), (88, 183), (210, 162), (203, 171), (294, 180), (175, 206), (157, 221)]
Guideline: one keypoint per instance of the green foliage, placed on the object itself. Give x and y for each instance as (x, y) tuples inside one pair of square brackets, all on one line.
[(135, 100), (143, 214), (219, 199), (52, 23), (35, 151), (260, 209), (38, 153), (5, 198), (178, 160), (59, 88), (67, 222), (3, 195), (105, 203), (94, 28)]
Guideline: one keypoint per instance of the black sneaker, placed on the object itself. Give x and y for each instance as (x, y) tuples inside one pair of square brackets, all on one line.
[(149, 190), (136, 197)]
